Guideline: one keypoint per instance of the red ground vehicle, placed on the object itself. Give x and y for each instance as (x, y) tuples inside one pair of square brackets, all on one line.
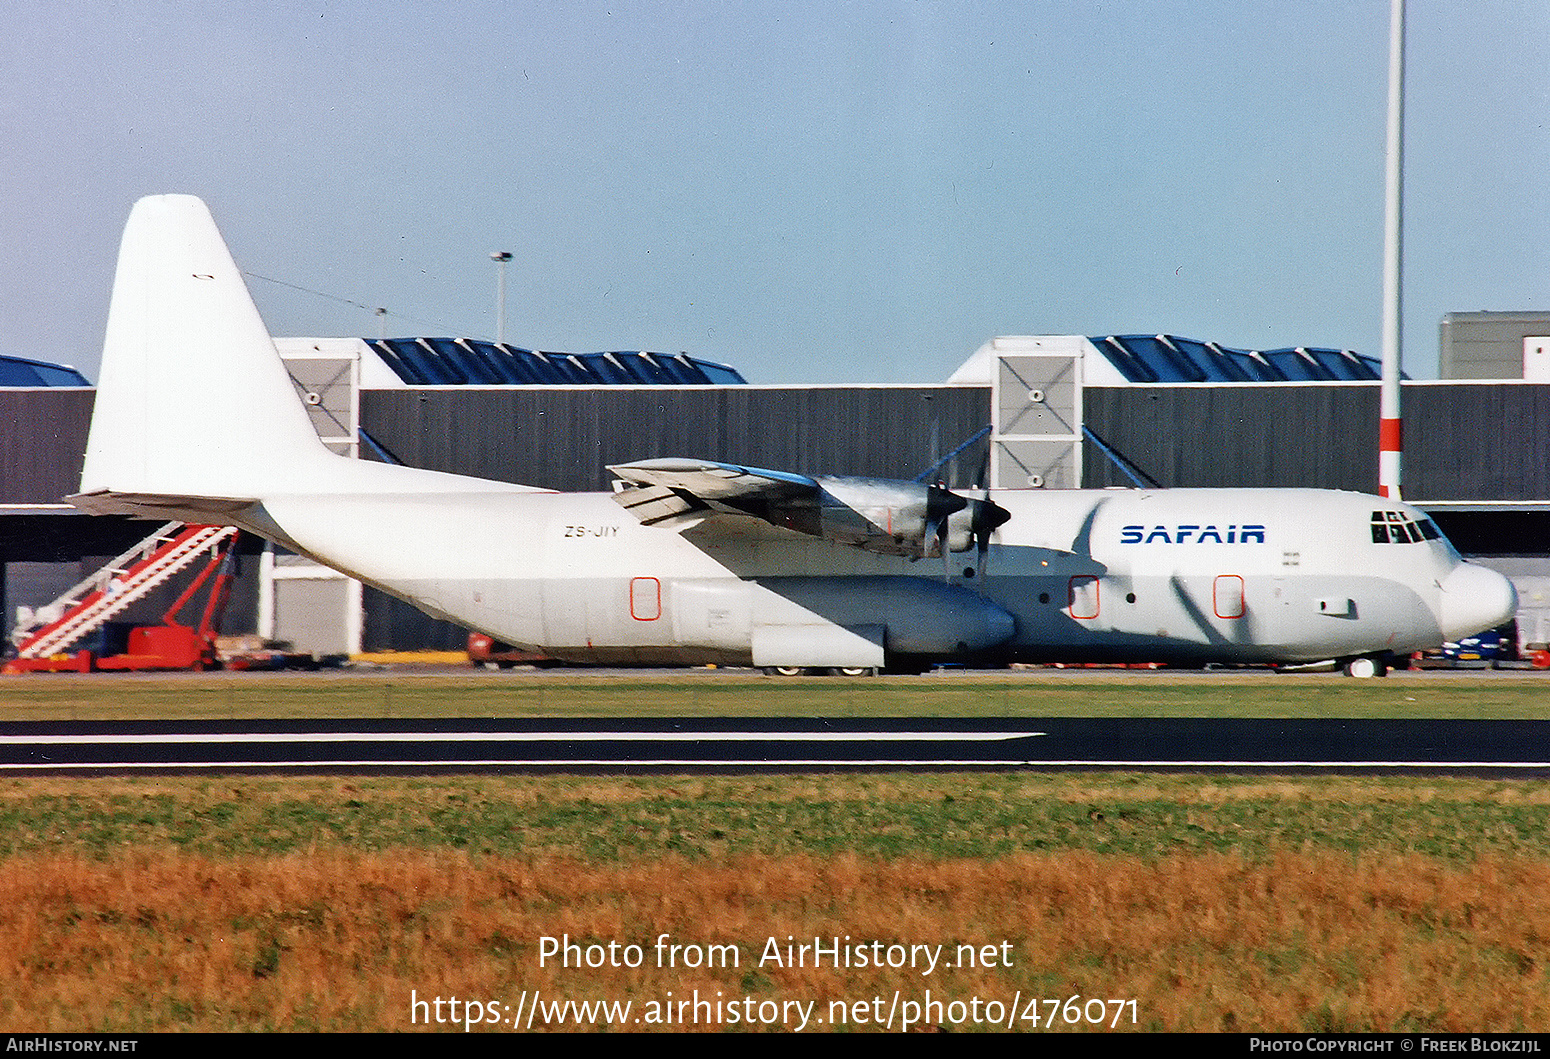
[(86, 610), (491, 653)]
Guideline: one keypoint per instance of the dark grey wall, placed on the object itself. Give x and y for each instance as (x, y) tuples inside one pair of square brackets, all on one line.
[(1236, 437), (564, 439), (42, 443), (1484, 441), (1476, 442)]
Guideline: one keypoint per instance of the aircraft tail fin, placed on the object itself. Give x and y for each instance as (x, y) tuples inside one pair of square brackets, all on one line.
[(193, 399)]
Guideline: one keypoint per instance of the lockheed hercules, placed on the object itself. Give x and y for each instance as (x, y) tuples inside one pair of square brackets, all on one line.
[(697, 561)]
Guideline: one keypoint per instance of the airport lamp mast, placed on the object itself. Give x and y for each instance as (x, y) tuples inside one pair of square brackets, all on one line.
[(501, 258), (1390, 433)]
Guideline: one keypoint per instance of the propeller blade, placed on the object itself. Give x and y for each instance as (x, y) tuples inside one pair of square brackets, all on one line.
[(941, 504), (988, 515)]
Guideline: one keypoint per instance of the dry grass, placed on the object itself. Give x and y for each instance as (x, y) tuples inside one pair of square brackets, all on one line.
[(1272, 903), (334, 939)]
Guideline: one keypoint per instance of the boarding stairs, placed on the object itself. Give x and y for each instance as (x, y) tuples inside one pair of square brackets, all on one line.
[(126, 578)]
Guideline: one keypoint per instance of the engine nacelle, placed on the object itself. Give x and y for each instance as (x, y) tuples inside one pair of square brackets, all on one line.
[(912, 519), (897, 518), (901, 518), (974, 524)]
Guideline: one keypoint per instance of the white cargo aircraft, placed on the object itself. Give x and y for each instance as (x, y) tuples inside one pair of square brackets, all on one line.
[(696, 561)]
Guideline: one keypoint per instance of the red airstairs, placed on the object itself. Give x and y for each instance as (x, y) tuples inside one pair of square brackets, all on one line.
[(41, 640)]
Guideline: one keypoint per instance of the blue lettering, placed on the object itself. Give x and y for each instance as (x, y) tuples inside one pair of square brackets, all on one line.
[(1184, 534)]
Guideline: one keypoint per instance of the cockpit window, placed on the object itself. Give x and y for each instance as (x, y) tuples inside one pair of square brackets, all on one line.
[(1395, 527)]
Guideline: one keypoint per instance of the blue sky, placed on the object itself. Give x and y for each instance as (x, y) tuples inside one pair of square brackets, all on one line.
[(813, 192)]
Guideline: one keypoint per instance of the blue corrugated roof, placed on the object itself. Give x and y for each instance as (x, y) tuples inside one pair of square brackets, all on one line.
[(473, 362), (1169, 358), (23, 371)]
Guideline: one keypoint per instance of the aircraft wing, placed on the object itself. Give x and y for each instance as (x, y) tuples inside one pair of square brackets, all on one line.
[(881, 515)]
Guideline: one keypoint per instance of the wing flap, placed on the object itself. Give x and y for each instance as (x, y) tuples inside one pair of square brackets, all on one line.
[(659, 505), (708, 480)]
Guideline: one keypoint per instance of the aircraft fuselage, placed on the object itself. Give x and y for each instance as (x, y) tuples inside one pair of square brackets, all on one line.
[(1198, 575)]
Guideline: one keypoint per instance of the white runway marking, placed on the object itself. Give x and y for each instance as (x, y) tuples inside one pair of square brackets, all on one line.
[(524, 737), (562, 763), (612, 763)]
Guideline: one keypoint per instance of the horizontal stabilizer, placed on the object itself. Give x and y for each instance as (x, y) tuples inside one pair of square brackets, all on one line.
[(215, 509)]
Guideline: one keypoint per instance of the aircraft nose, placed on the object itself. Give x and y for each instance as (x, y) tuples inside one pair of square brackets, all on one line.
[(1475, 599)]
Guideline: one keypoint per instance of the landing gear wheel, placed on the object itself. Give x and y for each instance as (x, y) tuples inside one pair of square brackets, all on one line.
[(784, 671), (1366, 667), (854, 671)]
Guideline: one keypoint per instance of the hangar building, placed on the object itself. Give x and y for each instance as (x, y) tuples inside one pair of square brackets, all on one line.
[(1036, 412)]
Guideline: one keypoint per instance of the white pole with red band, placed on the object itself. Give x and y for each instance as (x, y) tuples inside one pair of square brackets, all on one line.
[(1390, 433)]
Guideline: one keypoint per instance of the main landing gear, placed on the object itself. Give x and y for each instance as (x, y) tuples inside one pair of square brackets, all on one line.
[(818, 671), (1363, 667)]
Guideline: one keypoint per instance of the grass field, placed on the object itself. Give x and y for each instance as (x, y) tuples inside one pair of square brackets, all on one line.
[(688, 693), (1213, 903)]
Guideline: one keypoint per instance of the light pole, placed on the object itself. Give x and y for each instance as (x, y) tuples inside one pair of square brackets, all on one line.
[(500, 257), (1390, 437)]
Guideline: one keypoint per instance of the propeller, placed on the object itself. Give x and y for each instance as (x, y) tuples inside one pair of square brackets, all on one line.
[(985, 517), (941, 505), (988, 517), (956, 523)]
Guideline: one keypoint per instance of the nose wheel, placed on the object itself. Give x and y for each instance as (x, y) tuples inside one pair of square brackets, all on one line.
[(1366, 667)]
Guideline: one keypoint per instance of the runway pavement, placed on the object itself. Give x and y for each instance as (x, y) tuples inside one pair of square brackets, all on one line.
[(1491, 747)]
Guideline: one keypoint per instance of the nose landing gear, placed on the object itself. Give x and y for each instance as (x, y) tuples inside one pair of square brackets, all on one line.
[(1367, 666)]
